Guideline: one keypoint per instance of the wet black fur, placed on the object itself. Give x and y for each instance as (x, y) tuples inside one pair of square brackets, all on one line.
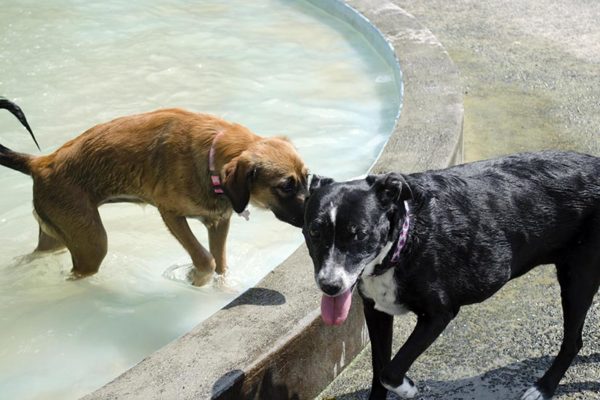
[(474, 227)]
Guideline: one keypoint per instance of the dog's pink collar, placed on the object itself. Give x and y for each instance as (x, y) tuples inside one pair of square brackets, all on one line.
[(215, 179), (403, 236)]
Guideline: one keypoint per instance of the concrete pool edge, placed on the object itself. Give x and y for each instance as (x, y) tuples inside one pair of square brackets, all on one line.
[(270, 343)]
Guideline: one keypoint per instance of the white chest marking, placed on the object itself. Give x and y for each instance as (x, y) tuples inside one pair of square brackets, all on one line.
[(382, 290)]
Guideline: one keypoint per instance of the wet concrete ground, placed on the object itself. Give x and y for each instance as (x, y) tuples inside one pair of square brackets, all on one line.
[(531, 76), (530, 70)]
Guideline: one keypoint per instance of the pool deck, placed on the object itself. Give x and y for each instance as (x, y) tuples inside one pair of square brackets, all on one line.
[(530, 72), (270, 342)]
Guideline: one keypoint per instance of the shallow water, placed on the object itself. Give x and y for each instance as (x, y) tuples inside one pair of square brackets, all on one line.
[(277, 67)]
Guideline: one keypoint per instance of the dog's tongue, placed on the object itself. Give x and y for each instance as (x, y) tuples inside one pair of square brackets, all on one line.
[(334, 310)]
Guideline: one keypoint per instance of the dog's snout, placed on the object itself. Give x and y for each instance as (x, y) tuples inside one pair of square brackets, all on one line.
[(330, 288)]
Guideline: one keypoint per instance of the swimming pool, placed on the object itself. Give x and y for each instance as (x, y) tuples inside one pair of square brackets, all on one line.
[(276, 67)]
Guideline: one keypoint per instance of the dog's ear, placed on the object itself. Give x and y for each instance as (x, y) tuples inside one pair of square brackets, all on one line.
[(317, 182), (390, 187), (239, 174)]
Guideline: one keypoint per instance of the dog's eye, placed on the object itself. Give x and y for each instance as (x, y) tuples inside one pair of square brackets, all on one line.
[(357, 234), (361, 235), (288, 186), (314, 231)]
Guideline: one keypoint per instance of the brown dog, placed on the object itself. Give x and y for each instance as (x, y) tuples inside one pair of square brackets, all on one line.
[(160, 158)]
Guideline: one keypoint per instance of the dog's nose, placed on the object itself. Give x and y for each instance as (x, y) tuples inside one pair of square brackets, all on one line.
[(330, 289)]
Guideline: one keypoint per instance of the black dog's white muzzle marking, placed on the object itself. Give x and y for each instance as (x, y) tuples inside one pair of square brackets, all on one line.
[(333, 271), (335, 274)]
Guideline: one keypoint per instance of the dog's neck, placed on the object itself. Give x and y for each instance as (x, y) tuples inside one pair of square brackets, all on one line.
[(215, 161), (227, 144), (393, 256)]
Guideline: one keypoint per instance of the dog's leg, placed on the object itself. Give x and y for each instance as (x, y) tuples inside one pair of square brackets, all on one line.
[(428, 328), (48, 243), (74, 218), (217, 237), (204, 263), (87, 245), (85, 238), (48, 237), (578, 283), (380, 326)]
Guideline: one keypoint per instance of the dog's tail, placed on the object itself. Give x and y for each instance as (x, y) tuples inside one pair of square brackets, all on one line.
[(9, 158)]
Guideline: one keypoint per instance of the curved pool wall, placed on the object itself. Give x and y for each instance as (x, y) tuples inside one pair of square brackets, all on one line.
[(344, 11), (270, 343)]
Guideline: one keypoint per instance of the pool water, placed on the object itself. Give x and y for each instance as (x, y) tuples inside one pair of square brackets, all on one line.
[(277, 67)]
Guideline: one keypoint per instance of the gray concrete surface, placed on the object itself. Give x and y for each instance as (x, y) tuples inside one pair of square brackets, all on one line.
[(531, 77), (270, 343), (530, 69)]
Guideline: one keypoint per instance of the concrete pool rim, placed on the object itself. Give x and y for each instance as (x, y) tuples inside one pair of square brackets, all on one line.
[(269, 343)]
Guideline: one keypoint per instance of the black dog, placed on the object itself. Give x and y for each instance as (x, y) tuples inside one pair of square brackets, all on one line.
[(432, 242)]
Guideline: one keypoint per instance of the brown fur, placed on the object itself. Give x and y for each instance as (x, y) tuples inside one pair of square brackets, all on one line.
[(160, 158)]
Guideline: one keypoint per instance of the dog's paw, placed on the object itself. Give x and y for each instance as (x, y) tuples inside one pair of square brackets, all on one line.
[(533, 393), (200, 278), (407, 390), (75, 276), (378, 393)]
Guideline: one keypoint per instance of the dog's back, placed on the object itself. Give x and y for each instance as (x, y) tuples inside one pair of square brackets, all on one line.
[(527, 210), (520, 178)]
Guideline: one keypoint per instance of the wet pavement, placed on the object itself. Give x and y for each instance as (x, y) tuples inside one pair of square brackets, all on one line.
[(531, 77)]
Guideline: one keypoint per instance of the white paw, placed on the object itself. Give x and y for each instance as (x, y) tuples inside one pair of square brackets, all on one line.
[(407, 390), (533, 394)]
